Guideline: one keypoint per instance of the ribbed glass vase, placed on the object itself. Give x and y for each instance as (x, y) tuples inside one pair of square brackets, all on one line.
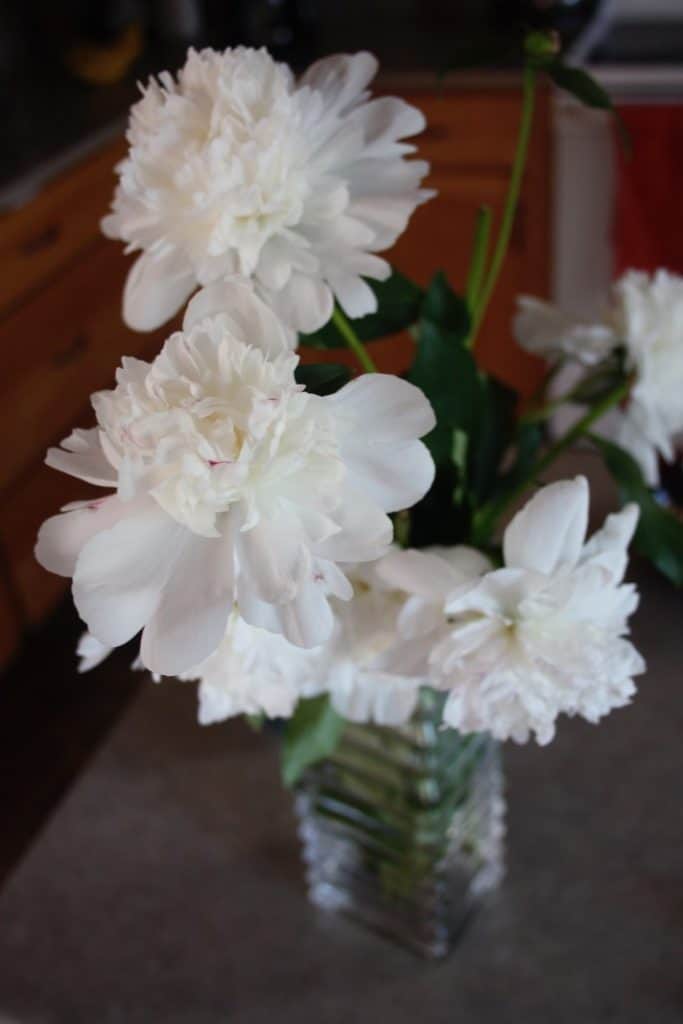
[(402, 828)]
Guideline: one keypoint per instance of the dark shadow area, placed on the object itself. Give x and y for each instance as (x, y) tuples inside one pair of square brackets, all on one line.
[(51, 721)]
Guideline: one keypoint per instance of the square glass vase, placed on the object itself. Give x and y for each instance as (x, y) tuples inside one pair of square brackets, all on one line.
[(403, 828)]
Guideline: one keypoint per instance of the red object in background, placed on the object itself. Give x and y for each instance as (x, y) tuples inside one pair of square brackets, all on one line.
[(648, 225)]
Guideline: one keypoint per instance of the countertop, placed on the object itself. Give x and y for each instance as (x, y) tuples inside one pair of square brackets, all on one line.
[(167, 886)]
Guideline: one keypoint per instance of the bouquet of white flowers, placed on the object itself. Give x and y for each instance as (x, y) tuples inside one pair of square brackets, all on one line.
[(246, 528)]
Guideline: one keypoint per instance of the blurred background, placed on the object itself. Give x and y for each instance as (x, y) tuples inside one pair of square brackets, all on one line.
[(68, 73)]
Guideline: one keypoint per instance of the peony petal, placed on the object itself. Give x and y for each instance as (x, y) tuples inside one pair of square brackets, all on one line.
[(191, 618), (365, 530), (90, 652), (341, 78), (307, 621), (62, 537), (418, 572), (548, 533), (353, 294), (467, 562), (396, 476), (387, 216), (409, 657), (498, 594), (247, 317), (395, 701), (81, 455), (274, 555), (121, 572), (609, 546), (383, 122), (383, 407), (156, 288), (254, 611), (305, 303), (542, 328)]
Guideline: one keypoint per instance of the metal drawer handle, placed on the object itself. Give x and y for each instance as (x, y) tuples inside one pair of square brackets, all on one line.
[(72, 352), (43, 240)]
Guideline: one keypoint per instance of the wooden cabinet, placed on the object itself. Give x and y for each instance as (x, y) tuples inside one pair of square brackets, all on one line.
[(61, 332), (40, 239), (61, 338), (470, 142)]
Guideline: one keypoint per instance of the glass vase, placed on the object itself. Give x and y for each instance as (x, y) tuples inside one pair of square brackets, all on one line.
[(402, 828)]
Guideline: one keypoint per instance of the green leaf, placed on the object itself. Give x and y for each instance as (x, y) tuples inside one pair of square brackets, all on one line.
[(446, 372), (445, 307), (530, 437), (255, 721), (311, 734), (398, 307), (323, 378), (660, 534), (580, 84), (584, 88), (437, 519), (527, 442), (492, 436)]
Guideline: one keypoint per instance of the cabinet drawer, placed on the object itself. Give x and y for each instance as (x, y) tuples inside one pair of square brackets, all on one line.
[(469, 130), (57, 349), (45, 234)]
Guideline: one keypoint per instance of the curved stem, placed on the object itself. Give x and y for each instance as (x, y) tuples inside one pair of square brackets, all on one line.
[(488, 516), (511, 200), (352, 340), (475, 277), (543, 412)]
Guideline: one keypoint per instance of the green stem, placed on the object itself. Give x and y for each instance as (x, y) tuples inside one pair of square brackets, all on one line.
[(511, 200), (542, 389), (480, 245), (402, 526), (542, 412), (352, 340), (487, 518)]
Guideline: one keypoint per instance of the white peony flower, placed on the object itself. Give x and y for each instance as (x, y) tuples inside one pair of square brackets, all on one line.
[(255, 672), (545, 634), (359, 674), (233, 483), (235, 167), (544, 330), (645, 317), (648, 318), (426, 578)]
